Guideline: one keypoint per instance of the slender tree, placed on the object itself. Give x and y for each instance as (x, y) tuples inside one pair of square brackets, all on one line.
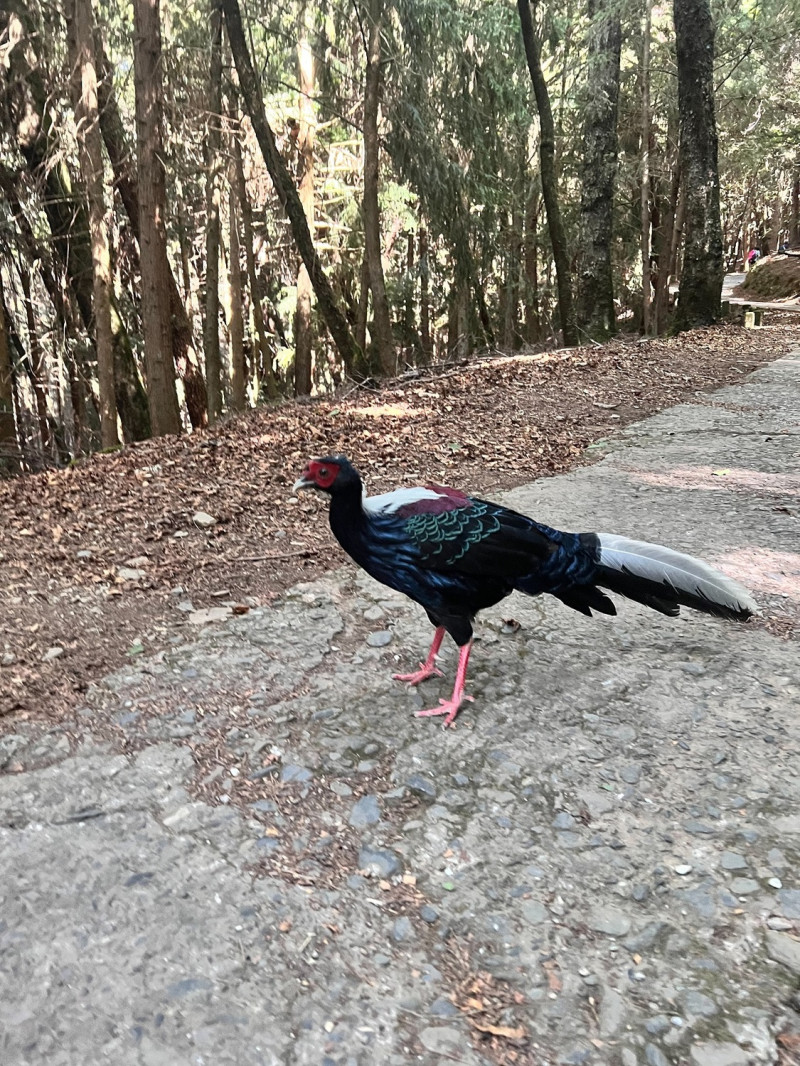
[(701, 280), (264, 361), (284, 186), (644, 199), (598, 171), (9, 452), (213, 143), (123, 165), (80, 35), (156, 319), (303, 348), (381, 322), (236, 319), (547, 164)]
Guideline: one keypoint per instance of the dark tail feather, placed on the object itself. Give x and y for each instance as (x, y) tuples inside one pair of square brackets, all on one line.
[(584, 598), (664, 579)]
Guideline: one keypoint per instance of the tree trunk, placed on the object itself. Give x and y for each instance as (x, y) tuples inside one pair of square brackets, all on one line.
[(213, 165), (125, 181), (547, 163), (9, 447), (795, 238), (284, 186), (668, 227), (382, 341), (36, 139), (363, 308), (701, 281), (264, 361), (91, 156), (156, 320), (777, 221), (598, 173), (531, 255), (425, 296), (38, 367), (303, 350), (645, 187), (236, 322)]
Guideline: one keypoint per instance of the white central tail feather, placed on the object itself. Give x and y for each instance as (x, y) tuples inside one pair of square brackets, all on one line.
[(685, 573)]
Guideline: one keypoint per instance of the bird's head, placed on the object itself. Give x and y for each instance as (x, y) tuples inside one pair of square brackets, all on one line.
[(332, 473)]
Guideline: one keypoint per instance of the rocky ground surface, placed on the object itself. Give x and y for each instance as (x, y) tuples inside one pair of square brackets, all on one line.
[(256, 855)]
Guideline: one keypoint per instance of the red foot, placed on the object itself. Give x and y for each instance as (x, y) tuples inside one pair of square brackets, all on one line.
[(429, 667), (425, 671), (449, 707)]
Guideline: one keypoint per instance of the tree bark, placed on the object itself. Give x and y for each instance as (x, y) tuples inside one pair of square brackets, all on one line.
[(547, 164), (596, 313), (777, 221), (796, 204), (668, 227), (236, 323), (91, 157), (425, 296), (38, 366), (303, 348), (284, 186), (531, 256), (125, 181), (701, 281), (156, 320), (264, 361), (211, 347), (645, 186), (382, 341), (9, 447)]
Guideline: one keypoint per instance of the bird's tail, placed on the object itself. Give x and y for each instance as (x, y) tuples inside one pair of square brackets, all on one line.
[(665, 580)]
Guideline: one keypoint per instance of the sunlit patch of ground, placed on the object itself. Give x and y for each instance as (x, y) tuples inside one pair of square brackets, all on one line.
[(762, 570), (725, 478)]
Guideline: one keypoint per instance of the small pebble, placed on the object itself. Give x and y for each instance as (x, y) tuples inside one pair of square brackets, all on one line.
[(682, 870), (775, 882)]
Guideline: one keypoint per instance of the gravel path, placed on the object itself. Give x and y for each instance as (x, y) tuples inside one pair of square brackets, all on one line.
[(255, 855)]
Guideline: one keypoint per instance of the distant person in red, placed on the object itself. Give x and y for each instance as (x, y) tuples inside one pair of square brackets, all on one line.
[(753, 257)]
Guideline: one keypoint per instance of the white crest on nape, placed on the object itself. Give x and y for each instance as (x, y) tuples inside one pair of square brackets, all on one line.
[(389, 502)]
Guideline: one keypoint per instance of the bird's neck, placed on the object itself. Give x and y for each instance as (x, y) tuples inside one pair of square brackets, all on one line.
[(349, 520)]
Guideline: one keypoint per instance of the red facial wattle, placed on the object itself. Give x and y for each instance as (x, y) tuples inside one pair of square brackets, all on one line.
[(322, 474)]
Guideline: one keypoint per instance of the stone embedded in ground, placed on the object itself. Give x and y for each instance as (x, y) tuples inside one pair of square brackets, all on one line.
[(609, 921), (365, 812), (203, 519), (378, 861)]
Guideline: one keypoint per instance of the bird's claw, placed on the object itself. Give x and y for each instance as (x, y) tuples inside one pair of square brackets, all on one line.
[(447, 707), (422, 674)]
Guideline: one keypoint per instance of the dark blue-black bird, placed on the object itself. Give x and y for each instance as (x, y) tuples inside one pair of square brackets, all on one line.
[(456, 554)]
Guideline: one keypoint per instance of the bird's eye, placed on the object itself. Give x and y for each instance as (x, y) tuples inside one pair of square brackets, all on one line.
[(323, 471)]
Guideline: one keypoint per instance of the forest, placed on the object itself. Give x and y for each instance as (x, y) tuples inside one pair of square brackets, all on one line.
[(215, 205)]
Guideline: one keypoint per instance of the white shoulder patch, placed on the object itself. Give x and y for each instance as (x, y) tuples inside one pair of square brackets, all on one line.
[(389, 502)]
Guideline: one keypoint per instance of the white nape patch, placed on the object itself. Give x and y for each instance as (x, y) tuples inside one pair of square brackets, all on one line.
[(685, 572), (389, 502)]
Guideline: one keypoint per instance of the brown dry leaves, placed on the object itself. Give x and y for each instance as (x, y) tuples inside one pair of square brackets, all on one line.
[(484, 426)]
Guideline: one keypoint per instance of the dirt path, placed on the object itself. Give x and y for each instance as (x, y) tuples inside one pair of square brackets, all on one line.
[(107, 561), (255, 855)]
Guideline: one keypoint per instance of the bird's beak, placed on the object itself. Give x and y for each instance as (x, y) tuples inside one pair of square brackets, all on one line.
[(304, 482)]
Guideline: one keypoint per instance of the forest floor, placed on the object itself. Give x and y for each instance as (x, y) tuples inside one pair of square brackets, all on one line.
[(124, 553)]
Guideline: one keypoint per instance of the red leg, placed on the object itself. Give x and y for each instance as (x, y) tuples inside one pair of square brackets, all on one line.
[(428, 668), (450, 707)]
